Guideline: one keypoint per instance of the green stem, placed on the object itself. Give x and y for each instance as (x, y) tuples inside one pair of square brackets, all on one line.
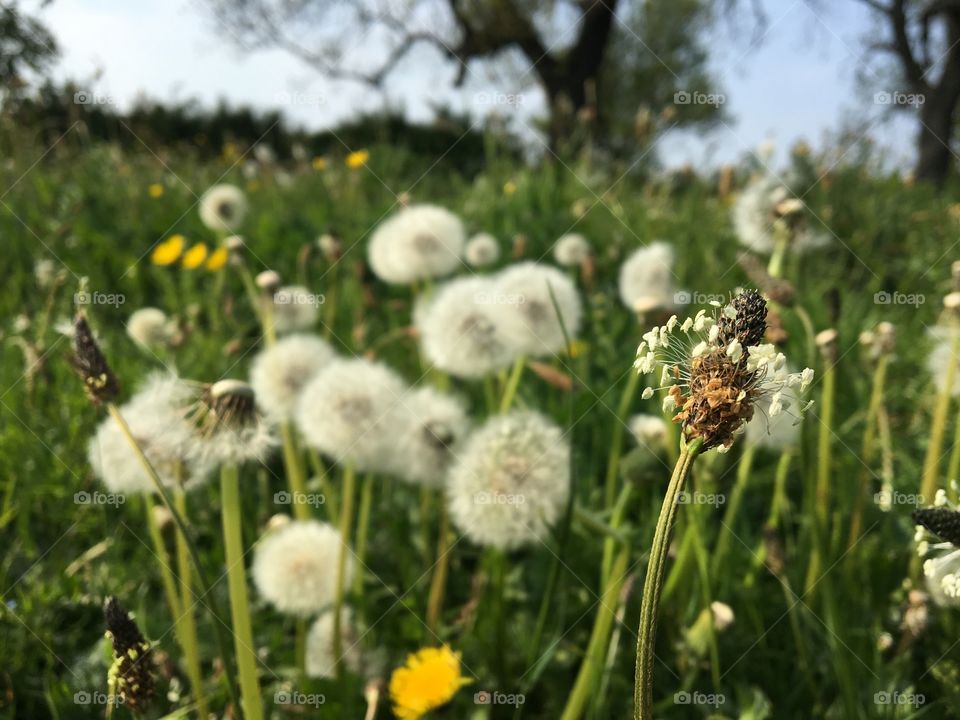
[(346, 520), (231, 517), (301, 646), (869, 443), (591, 670), (821, 525), (513, 382), (728, 526), (296, 474), (329, 495), (438, 583), (616, 442), (363, 529), (653, 583), (191, 647), (938, 426), (213, 605), (775, 267)]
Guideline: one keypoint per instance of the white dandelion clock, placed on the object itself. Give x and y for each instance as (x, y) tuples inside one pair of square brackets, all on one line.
[(223, 208), (531, 300), (649, 431), (940, 357), (294, 309), (460, 332), (432, 425), (510, 483), (571, 250), (279, 373), (417, 243), (758, 207), (348, 413), (150, 328), (646, 278), (321, 662), (157, 419), (482, 250), (295, 567), (228, 427)]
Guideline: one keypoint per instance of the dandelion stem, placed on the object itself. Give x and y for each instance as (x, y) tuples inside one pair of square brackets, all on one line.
[(296, 474), (329, 496), (363, 529), (191, 649), (212, 604), (163, 560), (822, 493), (869, 444), (653, 583), (301, 646), (616, 442), (231, 516), (346, 520), (438, 583), (938, 426), (513, 382), (728, 524)]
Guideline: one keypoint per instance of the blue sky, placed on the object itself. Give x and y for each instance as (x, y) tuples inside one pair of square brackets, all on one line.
[(800, 82)]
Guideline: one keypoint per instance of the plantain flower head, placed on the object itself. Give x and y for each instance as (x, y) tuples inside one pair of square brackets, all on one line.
[(717, 368)]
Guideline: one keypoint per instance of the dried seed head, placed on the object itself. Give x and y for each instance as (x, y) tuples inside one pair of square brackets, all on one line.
[(89, 362), (719, 400), (826, 340), (941, 521), (130, 672), (750, 322), (230, 402)]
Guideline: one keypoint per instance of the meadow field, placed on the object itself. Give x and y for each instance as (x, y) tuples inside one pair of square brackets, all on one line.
[(793, 586)]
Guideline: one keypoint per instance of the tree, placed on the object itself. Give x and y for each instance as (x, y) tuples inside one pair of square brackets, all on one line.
[(564, 43), (26, 46), (923, 37)]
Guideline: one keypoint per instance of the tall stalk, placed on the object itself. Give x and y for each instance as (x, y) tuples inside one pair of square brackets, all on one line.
[(438, 583), (363, 530), (938, 426), (346, 521), (512, 384), (653, 583), (868, 448), (296, 473), (821, 525), (191, 648), (231, 516), (733, 507)]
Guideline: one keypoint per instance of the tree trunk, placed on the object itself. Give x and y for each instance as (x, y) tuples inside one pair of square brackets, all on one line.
[(934, 156)]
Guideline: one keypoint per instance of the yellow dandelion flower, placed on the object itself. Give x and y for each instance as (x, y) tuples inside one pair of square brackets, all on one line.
[(195, 256), (155, 190), (218, 258), (358, 158), (430, 678), (319, 163), (167, 252), (509, 187)]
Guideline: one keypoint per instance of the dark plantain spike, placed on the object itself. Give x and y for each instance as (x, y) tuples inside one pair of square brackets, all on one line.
[(942, 522)]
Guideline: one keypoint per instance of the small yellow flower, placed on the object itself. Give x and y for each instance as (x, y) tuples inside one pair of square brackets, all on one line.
[(358, 158), (509, 187), (218, 258), (430, 678), (155, 190), (577, 348), (319, 163), (167, 252), (195, 256)]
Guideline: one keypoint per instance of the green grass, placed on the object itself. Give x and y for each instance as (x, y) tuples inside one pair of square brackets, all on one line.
[(88, 209)]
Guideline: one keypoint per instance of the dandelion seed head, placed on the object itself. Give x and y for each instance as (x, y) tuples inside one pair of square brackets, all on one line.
[(646, 278), (940, 356), (321, 661), (510, 482), (279, 373), (571, 250), (223, 208), (228, 428), (294, 309), (649, 431), (417, 243), (295, 567), (150, 328), (431, 427), (757, 209), (482, 250)]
